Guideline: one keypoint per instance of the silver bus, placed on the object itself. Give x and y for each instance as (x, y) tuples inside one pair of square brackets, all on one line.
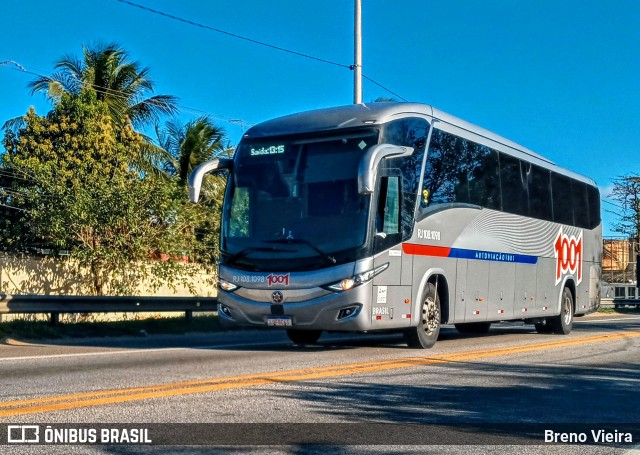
[(400, 217)]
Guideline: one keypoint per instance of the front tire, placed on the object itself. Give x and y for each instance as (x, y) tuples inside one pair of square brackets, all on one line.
[(426, 334), (563, 323), (303, 337)]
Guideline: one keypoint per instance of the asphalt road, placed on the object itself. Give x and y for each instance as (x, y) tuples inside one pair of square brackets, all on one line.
[(481, 394)]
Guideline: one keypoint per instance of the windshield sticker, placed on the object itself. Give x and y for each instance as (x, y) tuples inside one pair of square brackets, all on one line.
[(271, 150), (362, 145)]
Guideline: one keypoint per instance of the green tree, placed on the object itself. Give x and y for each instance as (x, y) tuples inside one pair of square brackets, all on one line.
[(106, 70), (188, 145), (76, 190), (184, 146)]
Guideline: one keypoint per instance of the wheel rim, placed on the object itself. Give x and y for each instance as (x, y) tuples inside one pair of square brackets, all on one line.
[(430, 315), (566, 310)]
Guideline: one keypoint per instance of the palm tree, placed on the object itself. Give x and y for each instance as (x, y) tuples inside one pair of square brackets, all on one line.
[(123, 84), (190, 144)]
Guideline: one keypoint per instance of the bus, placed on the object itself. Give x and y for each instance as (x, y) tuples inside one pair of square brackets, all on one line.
[(400, 217)]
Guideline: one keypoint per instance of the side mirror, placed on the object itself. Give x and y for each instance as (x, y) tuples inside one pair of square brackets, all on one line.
[(195, 179), (369, 164)]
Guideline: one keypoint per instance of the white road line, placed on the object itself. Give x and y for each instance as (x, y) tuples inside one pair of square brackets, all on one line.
[(215, 346), (594, 321), (139, 351)]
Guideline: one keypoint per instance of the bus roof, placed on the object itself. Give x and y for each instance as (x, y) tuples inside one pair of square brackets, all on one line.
[(358, 115)]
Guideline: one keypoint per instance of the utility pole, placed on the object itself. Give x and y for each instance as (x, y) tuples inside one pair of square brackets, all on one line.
[(357, 66)]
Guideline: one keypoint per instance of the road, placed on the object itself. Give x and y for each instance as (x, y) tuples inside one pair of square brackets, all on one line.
[(485, 392)]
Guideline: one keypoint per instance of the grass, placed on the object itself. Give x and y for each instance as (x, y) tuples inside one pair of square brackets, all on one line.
[(37, 330), (631, 309)]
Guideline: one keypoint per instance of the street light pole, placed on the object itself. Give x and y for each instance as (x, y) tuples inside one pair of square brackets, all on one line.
[(357, 66)]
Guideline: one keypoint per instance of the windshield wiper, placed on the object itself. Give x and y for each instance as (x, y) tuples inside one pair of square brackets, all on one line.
[(330, 259), (242, 253)]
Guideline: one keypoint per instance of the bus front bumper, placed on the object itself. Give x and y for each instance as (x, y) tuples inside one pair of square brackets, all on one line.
[(335, 311)]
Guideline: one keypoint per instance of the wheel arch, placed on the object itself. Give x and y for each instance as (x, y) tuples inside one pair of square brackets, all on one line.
[(569, 283), (437, 278)]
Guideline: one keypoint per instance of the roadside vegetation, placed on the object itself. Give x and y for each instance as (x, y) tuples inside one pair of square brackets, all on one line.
[(85, 181), (27, 329)]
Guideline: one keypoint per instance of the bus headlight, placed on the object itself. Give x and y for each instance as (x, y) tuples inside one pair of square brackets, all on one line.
[(356, 280), (226, 286)]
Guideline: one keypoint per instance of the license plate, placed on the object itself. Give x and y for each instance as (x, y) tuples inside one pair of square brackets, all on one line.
[(279, 321)]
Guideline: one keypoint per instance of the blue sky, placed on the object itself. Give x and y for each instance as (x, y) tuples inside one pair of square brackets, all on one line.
[(559, 77)]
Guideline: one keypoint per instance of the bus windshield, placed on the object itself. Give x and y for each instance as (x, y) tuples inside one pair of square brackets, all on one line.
[(293, 203)]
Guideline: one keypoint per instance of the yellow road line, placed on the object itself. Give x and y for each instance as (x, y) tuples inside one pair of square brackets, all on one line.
[(105, 397)]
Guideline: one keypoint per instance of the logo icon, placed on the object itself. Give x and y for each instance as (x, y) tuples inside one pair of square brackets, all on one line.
[(277, 297), (23, 434), (568, 252), (278, 279)]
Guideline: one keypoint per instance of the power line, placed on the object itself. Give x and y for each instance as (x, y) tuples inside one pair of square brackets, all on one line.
[(254, 41), (383, 87), (611, 203), (234, 35)]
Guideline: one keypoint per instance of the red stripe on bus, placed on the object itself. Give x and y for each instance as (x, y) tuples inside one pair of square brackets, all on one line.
[(426, 250)]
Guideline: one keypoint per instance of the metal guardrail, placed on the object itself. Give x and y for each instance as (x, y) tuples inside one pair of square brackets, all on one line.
[(620, 294), (59, 304)]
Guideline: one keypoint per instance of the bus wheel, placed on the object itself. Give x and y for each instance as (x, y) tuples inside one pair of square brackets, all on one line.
[(304, 336), (563, 323), (426, 334)]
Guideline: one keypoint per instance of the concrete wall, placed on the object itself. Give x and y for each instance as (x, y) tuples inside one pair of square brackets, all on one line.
[(21, 275)]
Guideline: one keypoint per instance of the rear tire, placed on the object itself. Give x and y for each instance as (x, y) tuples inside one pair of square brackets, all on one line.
[(426, 334), (304, 337), (473, 327), (563, 323)]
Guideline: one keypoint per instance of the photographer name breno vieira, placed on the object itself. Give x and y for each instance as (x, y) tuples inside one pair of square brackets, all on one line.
[(593, 436)]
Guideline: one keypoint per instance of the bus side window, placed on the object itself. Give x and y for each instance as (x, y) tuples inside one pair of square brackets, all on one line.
[(389, 207), (388, 213)]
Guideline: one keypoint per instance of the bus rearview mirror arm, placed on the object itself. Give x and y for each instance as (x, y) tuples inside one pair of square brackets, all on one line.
[(195, 179), (369, 164)]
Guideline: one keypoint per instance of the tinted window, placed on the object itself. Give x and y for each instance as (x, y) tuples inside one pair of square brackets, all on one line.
[(562, 201), (409, 133), (483, 177), (580, 203), (388, 213), (514, 186), (461, 171), (445, 174), (594, 206), (540, 205), (389, 207)]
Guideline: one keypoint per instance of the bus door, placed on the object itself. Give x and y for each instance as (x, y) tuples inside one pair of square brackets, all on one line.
[(391, 304)]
